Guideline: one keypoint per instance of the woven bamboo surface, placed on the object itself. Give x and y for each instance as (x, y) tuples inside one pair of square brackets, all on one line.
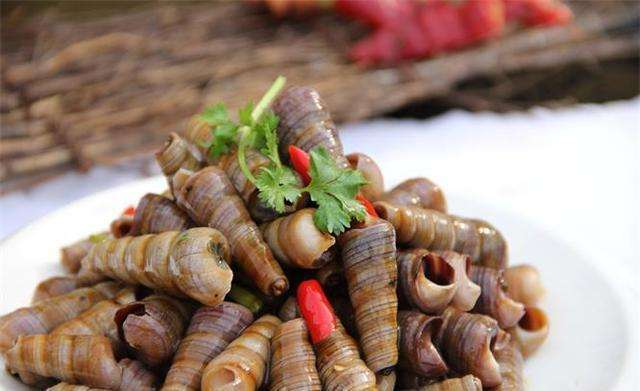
[(108, 89)]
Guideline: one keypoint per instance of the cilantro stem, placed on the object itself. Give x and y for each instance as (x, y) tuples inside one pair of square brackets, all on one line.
[(246, 132), (242, 147), (268, 97)]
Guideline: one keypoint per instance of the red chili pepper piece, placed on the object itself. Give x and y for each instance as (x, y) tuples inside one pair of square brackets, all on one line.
[(129, 211), (301, 162), (316, 310), (367, 205)]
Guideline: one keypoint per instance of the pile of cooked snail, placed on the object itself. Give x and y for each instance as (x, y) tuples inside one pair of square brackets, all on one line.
[(207, 287)]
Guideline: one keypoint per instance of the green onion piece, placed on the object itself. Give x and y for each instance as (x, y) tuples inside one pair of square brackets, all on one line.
[(246, 298), (97, 238)]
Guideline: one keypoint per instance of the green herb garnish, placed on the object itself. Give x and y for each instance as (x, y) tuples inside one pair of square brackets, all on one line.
[(97, 238), (246, 298), (223, 130), (332, 188)]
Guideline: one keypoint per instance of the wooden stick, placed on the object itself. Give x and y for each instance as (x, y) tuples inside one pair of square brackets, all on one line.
[(26, 145)]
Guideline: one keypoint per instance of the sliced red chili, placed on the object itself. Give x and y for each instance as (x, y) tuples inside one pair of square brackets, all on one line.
[(367, 205), (301, 162), (316, 310)]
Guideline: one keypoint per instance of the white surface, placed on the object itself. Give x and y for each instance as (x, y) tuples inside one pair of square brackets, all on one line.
[(590, 337), (574, 172), (20, 208)]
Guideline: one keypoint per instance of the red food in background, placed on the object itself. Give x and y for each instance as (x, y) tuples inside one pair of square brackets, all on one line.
[(537, 12), (413, 29)]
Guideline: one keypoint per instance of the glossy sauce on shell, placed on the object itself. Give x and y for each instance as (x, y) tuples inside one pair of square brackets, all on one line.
[(417, 350), (193, 263), (369, 261), (296, 242), (419, 192), (177, 154), (306, 123), (436, 231), (210, 331), (243, 364), (374, 189), (155, 214), (340, 366), (211, 200), (43, 316), (293, 361), (466, 342), (152, 328), (97, 320), (427, 281), (493, 300), (70, 358)]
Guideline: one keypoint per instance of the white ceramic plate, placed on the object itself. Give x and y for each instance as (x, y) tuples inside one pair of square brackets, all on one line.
[(590, 338)]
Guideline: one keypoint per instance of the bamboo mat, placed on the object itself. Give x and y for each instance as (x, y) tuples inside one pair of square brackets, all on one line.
[(109, 89)]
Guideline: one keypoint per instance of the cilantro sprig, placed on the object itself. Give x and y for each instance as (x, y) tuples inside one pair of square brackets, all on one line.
[(332, 188), (223, 130), (277, 184)]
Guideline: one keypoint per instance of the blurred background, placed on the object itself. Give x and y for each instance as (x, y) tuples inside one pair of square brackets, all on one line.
[(90, 89)]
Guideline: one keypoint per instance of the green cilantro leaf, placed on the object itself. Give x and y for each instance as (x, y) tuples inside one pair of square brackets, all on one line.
[(215, 115), (223, 139), (223, 130), (244, 115), (267, 140), (277, 185), (247, 132), (334, 190), (329, 217)]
